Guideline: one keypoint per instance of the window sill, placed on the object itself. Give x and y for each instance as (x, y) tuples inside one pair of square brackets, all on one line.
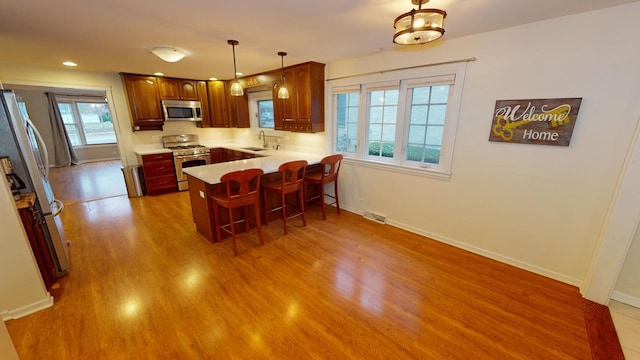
[(401, 169)]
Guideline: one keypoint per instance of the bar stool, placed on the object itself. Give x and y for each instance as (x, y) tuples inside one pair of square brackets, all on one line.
[(242, 190), (291, 181), (327, 175)]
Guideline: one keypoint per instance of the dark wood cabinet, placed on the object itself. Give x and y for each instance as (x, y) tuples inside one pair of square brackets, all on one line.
[(204, 104), (177, 89), (220, 155), (144, 101), (159, 173), (33, 227), (303, 111), (239, 111), (218, 106)]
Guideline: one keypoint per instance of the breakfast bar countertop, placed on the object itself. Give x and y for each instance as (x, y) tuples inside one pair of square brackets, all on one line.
[(268, 161)]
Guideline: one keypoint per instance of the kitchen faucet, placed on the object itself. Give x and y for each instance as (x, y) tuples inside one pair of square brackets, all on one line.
[(262, 136)]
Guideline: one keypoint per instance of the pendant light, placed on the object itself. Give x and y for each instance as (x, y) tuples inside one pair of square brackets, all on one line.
[(236, 88), (283, 93), (419, 26)]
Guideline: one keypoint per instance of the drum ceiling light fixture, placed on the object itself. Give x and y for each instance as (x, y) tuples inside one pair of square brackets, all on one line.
[(419, 26)]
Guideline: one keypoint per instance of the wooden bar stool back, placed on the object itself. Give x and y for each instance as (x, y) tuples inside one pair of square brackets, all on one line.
[(292, 175), (328, 174), (242, 191)]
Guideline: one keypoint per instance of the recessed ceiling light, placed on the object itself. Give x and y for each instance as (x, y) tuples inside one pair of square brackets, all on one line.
[(239, 73), (69, 63), (213, 78), (158, 74)]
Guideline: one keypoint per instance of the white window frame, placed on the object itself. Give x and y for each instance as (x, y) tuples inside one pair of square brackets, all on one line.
[(74, 100), (414, 77)]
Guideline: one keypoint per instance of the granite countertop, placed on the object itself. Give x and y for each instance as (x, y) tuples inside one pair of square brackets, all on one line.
[(269, 161)]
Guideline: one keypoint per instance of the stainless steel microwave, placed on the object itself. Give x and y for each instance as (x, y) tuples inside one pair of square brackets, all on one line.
[(181, 110)]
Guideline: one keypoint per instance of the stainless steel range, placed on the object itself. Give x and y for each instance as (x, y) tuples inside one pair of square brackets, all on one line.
[(187, 152)]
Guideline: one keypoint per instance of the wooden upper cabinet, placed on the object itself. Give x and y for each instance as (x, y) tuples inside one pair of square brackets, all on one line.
[(303, 111), (278, 120), (144, 101), (239, 110), (177, 89), (188, 89), (218, 107), (204, 103), (289, 109)]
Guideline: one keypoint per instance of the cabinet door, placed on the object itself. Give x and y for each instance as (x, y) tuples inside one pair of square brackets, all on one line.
[(188, 89), (216, 155), (169, 89), (239, 111), (144, 101), (219, 113), (290, 106), (303, 92), (204, 103), (278, 121)]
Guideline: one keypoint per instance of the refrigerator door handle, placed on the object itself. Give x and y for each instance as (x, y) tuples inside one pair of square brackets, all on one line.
[(59, 207), (42, 147)]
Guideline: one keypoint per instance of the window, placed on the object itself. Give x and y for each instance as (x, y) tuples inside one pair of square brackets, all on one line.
[(426, 123), (347, 122), (262, 116), (265, 114), (87, 120), (406, 120)]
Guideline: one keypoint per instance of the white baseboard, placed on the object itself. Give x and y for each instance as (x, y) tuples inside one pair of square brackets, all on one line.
[(626, 299), (483, 252), (29, 309)]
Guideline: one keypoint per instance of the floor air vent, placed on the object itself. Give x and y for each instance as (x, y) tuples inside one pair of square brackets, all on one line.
[(375, 217)]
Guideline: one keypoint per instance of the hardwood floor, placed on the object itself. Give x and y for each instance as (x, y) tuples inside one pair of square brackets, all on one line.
[(145, 285), (88, 181)]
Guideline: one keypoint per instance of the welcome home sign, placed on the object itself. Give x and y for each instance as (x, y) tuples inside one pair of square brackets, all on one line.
[(535, 121)]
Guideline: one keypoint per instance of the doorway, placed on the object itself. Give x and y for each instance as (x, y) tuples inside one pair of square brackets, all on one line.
[(87, 119)]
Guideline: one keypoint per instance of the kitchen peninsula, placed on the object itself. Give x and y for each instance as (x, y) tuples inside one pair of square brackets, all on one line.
[(205, 181)]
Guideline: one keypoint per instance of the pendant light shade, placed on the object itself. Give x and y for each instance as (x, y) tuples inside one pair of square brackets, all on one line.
[(236, 88), (283, 93), (419, 26)]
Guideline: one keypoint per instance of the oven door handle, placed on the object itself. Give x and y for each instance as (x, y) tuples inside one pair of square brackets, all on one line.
[(190, 157)]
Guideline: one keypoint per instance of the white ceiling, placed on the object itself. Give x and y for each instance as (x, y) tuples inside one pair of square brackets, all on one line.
[(116, 35)]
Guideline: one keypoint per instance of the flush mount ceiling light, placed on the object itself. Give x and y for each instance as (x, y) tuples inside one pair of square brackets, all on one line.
[(236, 88), (168, 54), (283, 93), (419, 26)]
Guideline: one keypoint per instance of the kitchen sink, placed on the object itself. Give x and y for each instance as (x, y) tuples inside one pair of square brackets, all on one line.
[(254, 148)]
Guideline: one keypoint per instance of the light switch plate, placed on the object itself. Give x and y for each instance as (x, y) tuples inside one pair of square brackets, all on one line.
[(202, 194)]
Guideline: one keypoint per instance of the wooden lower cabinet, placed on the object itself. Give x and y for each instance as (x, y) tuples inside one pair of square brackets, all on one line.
[(159, 173), (33, 227), (202, 205)]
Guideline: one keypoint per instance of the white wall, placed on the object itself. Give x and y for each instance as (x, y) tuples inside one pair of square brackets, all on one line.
[(22, 290), (537, 207), (627, 287)]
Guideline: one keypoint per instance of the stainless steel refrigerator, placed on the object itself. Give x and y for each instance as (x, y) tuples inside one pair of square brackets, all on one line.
[(23, 144)]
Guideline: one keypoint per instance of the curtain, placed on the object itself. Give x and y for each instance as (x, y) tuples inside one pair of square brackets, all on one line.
[(64, 153)]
